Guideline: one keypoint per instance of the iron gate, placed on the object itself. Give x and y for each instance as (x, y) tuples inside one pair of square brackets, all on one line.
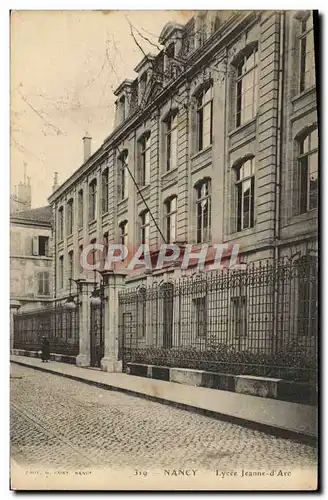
[(59, 324), (258, 321), (96, 334)]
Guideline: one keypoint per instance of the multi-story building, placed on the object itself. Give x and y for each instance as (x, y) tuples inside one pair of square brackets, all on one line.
[(30, 258), (216, 140)]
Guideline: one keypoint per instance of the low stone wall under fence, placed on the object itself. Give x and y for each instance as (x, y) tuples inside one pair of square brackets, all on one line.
[(58, 324), (259, 321)]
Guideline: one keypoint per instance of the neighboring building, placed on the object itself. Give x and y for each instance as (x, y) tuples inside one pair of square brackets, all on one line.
[(219, 132), (30, 258)]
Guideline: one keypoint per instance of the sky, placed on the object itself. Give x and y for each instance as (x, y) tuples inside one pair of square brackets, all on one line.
[(65, 66)]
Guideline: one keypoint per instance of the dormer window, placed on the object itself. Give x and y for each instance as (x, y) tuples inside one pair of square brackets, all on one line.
[(123, 101), (142, 86), (170, 51), (216, 24), (121, 108)]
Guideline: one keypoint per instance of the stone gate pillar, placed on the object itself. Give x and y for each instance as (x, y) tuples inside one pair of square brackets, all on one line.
[(85, 289), (113, 284), (14, 306)]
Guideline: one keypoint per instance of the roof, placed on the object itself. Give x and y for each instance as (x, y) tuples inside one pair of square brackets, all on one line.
[(148, 58), (125, 83), (41, 214)]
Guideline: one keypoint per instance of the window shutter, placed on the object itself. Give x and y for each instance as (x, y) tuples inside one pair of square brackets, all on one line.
[(35, 245)]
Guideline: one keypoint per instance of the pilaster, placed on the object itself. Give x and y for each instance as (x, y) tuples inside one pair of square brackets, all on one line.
[(113, 283)]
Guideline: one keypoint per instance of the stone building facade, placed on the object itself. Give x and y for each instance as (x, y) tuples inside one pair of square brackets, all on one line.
[(30, 258), (219, 134)]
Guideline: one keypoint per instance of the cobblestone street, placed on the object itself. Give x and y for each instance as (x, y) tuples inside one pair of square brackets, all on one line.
[(61, 423)]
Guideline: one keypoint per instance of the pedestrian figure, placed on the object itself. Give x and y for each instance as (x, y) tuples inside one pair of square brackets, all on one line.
[(45, 350)]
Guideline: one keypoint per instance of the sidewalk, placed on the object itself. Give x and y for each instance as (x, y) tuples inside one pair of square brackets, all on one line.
[(278, 417)]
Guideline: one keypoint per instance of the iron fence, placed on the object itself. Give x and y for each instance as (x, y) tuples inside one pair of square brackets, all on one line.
[(258, 321), (59, 324)]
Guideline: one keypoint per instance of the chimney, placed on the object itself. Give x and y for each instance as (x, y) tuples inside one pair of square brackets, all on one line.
[(86, 147), (55, 184)]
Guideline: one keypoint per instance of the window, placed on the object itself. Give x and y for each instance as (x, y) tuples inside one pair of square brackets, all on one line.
[(61, 223), (104, 194), (123, 227), (307, 315), (172, 68), (245, 194), (92, 200), (43, 283), (61, 271), (171, 141), (203, 210), (80, 208), (307, 58), (200, 316), (144, 226), (80, 256), (170, 219), (70, 265), (238, 317), (204, 118), (70, 216), (142, 86), (308, 172), (121, 107), (144, 160), (201, 31), (40, 245), (216, 24), (106, 244), (247, 88), (92, 257), (123, 175)]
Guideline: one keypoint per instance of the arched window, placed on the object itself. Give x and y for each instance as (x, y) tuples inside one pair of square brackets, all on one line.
[(245, 195), (104, 191), (121, 111), (70, 216), (203, 210), (204, 100), (123, 227), (144, 220), (171, 141), (247, 87), (170, 219), (80, 208), (142, 87), (123, 173), (70, 265), (92, 199), (307, 59), (144, 160), (61, 272), (308, 171), (61, 223)]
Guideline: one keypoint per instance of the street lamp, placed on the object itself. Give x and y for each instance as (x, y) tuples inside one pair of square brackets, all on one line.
[(70, 301), (97, 295)]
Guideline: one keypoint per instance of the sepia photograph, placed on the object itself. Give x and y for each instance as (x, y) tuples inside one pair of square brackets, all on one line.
[(164, 250)]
